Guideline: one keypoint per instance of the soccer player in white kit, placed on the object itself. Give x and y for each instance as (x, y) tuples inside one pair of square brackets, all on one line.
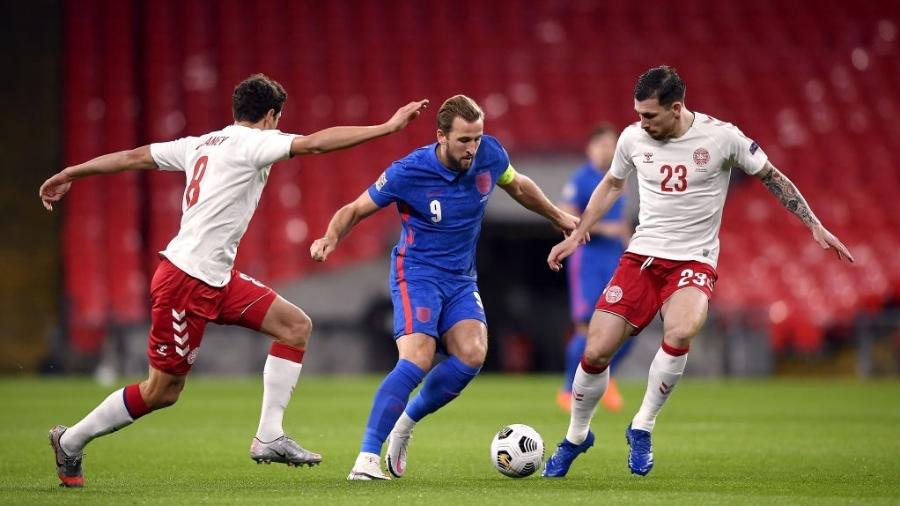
[(683, 161), (225, 173)]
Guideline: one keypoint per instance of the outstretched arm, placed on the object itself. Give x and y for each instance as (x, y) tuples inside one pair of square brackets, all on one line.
[(335, 138), (789, 196), (341, 223), (612, 229), (527, 193), (603, 197), (54, 188)]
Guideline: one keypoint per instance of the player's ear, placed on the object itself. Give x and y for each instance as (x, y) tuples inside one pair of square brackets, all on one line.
[(441, 137), (677, 107)]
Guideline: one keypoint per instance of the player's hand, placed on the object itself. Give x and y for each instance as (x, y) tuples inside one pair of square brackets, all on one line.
[(321, 248), (827, 240), (563, 250), (567, 223), (54, 188), (405, 114)]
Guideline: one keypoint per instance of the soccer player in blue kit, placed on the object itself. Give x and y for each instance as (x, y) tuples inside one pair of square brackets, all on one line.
[(441, 191), (593, 264)]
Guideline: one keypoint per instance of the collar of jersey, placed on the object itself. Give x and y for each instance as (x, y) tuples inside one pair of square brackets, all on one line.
[(449, 175)]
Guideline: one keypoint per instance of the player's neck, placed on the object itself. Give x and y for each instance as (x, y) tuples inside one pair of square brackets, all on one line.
[(259, 125), (684, 124)]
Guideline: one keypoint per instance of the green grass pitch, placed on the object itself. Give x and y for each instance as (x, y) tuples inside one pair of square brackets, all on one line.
[(716, 442)]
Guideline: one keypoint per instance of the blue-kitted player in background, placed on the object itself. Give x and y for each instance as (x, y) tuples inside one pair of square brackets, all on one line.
[(441, 191), (593, 264)]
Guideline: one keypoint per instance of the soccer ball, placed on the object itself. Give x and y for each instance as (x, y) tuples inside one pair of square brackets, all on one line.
[(517, 450)]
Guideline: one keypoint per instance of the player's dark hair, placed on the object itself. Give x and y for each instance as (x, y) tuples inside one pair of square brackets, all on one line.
[(601, 130), (254, 97), (458, 105), (661, 82)]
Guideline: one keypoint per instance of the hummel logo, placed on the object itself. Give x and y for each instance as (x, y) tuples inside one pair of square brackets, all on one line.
[(665, 389), (577, 396)]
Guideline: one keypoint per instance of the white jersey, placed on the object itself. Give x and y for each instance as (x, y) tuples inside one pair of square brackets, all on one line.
[(682, 185), (225, 173)]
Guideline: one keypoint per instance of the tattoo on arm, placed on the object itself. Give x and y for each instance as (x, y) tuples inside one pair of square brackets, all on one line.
[(785, 191)]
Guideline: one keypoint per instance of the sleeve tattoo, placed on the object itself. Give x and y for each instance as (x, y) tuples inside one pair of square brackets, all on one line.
[(785, 191)]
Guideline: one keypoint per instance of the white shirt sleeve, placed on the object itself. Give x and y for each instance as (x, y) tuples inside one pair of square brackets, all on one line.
[(171, 155), (745, 152), (622, 164), (268, 147)]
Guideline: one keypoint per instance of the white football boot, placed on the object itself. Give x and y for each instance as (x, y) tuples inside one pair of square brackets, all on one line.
[(395, 457), (367, 468)]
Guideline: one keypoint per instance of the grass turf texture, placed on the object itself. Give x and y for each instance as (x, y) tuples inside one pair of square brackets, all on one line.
[(716, 442)]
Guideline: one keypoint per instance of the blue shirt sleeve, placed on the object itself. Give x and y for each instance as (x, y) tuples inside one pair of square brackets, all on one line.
[(389, 186), (615, 212)]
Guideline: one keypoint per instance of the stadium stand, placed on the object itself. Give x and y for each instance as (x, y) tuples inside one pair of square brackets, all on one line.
[(815, 85)]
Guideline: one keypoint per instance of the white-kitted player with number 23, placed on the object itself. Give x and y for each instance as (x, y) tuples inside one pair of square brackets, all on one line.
[(683, 161)]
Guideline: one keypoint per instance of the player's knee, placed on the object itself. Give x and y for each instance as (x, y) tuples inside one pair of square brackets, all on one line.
[(473, 353), (679, 337), (298, 331), (597, 357), (159, 398)]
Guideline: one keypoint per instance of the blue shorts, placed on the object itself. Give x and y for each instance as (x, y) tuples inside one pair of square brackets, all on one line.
[(431, 305), (587, 279)]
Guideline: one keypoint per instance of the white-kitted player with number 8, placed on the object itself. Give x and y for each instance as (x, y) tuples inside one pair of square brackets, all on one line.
[(683, 162), (196, 283)]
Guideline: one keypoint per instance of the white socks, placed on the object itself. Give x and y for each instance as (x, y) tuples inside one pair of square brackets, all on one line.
[(279, 379), (109, 416), (664, 373), (587, 389)]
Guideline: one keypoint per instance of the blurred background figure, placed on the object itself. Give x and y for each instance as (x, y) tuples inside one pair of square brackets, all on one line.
[(591, 267)]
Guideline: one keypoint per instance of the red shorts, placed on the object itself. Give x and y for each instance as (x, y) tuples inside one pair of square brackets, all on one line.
[(182, 305), (637, 289)]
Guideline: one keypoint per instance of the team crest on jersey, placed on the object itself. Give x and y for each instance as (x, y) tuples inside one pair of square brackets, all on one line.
[(382, 180), (648, 157), (483, 182), (613, 294), (701, 157)]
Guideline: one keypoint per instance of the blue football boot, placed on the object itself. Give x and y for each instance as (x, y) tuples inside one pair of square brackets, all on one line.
[(559, 463), (640, 458)]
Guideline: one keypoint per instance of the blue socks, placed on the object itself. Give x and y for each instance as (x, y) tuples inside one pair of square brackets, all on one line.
[(444, 383), (620, 355), (390, 400), (574, 351)]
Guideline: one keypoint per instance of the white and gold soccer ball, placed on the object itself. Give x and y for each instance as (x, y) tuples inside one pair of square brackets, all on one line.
[(517, 450)]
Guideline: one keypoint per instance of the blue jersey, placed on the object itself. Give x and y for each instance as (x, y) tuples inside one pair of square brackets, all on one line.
[(440, 209), (592, 265)]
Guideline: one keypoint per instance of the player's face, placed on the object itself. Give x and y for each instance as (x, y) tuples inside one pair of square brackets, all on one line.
[(461, 143), (600, 150), (659, 122)]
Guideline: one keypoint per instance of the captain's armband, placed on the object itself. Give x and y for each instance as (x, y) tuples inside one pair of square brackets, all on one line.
[(508, 175)]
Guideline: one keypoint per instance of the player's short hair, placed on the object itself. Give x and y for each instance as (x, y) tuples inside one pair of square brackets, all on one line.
[(457, 105), (661, 82), (254, 96), (601, 130)]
